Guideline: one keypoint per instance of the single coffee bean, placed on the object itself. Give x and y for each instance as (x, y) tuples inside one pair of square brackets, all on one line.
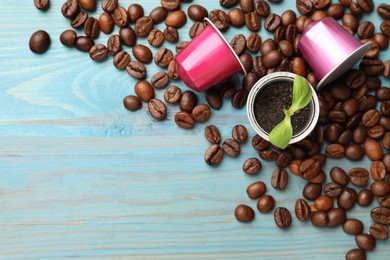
[(121, 17), (238, 44), (350, 106), (268, 155), (144, 90), (371, 67), (367, 102), (282, 218), (158, 14), (384, 201), (353, 226), (256, 190), (259, 143), (347, 198), (366, 5), (385, 27), (220, 19), (176, 19), (366, 30), (381, 215), (350, 21), (231, 147), (184, 120), (279, 34), (239, 98), (336, 11), (79, 20), (244, 213), (132, 103), (381, 40), (163, 57), (188, 101), (42, 4), (160, 80), (213, 155), (365, 242), (227, 90), (384, 11), (252, 21), (359, 134), (311, 191), (70, 8), (170, 5), (181, 45), (304, 6), (84, 43), (332, 132), (298, 66), (89, 5), (272, 59), (288, 17), (336, 217), (247, 5), (319, 218), (172, 70), (136, 69), (382, 93), (359, 176), (212, 134), (143, 26), (195, 29), (239, 133), (236, 17), (379, 231), (279, 179), (109, 5), (251, 166), (98, 52), (323, 203), (284, 158), (121, 60), (142, 53), (365, 197), (302, 210), (201, 113), (134, 12), (156, 38), (267, 46), (106, 23), (68, 38), (345, 138), (39, 42), (127, 36), (228, 3), (197, 12), (371, 118), (266, 203), (376, 132), (378, 170), (272, 22), (385, 122), (333, 189), (356, 254), (172, 95), (373, 149), (320, 4), (309, 168), (214, 99), (247, 61), (291, 36), (258, 66), (157, 109), (114, 44), (254, 42), (335, 151), (380, 188)]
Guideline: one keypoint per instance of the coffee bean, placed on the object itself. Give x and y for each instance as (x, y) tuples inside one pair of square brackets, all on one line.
[(298, 66), (172, 70), (236, 17), (42, 4), (309, 168), (201, 112), (134, 12), (347, 198), (227, 90), (304, 6), (106, 23), (170, 5), (353, 226), (247, 61), (268, 155), (68, 38), (220, 19), (70, 8), (373, 150), (132, 103), (378, 170), (291, 36), (323, 203), (384, 201), (197, 12), (244, 213), (288, 17), (336, 217), (371, 118), (320, 4), (359, 176), (239, 98), (284, 158), (181, 45), (84, 43), (238, 44), (127, 36), (89, 5), (109, 5), (158, 14), (385, 122), (254, 42), (282, 218), (365, 197), (121, 60), (252, 21), (214, 99), (228, 3), (272, 59), (279, 179), (350, 107), (381, 215), (354, 152), (335, 151), (258, 66), (142, 53), (79, 20), (266, 203), (157, 109), (319, 218), (379, 231), (385, 27), (380, 188), (366, 30), (350, 21), (212, 134), (386, 69), (344, 139), (332, 132), (366, 5), (144, 90), (188, 101), (213, 155), (98, 52), (184, 120), (156, 38), (311, 191), (163, 57), (39, 41), (259, 143), (335, 10), (333, 189), (172, 95), (302, 210), (114, 44), (171, 34), (256, 190), (195, 29), (251, 166), (384, 11), (231, 147), (239, 133), (143, 26), (371, 67), (376, 132), (272, 22), (356, 254), (365, 242), (359, 134), (176, 19), (121, 17), (136, 69)]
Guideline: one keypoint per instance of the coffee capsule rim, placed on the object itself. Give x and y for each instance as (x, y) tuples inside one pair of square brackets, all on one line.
[(207, 21), (344, 65)]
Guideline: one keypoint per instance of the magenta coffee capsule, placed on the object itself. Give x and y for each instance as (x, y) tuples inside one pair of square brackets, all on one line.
[(330, 50)]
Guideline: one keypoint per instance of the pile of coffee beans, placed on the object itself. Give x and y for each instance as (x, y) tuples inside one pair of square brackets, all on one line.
[(354, 110)]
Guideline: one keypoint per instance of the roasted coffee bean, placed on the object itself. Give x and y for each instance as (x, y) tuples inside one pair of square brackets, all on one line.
[(236, 17), (385, 27), (214, 99), (384, 11), (171, 34), (333, 189), (84, 43), (70, 8), (367, 102), (365, 242), (172, 70), (181, 45), (132, 103), (144, 90), (109, 5), (244, 213), (79, 20), (176, 19), (359, 176), (228, 3), (319, 218), (239, 133), (249, 81), (320, 4), (282, 218), (384, 201), (158, 14), (385, 122), (142, 53), (106, 23), (336, 11), (279, 179), (302, 210), (379, 231), (376, 132), (266, 203), (268, 46), (252, 21), (347, 198), (212, 134), (184, 120), (301, 22), (195, 29), (247, 5), (247, 61), (323, 203), (371, 67), (366, 5), (42, 4), (39, 41), (356, 254), (378, 170), (220, 19), (279, 34), (382, 93), (121, 17), (251, 166), (231, 147), (272, 59), (332, 132), (98, 52), (136, 69), (284, 159), (350, 21), (197, 12), (239, 98), (371, 118), (366, 30), (160, 80), (298, 66), (172, 95), (373, 150), (143, 26), (353, 226), (350, 107), (89, 5), (359, 134), (345, 138), (380, 188), (256, 190), (114, 44), (319, 179), (335, 151), (259, 143), (68, 38), (381, 215), (171, 5), (337, 116), (365, 197), (268, 155), (290, 35), (309, 168), (127, 36), (121, 60), (156, 38), (286, 48), (288, 17), (163, 57), (254, 42), (201, 113), (213, 155), (262, 8), (157, 109), (336, 217), (304, 6), (258, 66), (188, 101), (354, 152), (134, 12), (294, 166), (311, 191), (272, 22)]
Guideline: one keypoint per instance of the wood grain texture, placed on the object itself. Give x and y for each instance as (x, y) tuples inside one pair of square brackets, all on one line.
[(82, 177)]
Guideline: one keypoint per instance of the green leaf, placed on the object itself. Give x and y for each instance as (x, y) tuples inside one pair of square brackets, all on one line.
[(301, 94), (281, 134)]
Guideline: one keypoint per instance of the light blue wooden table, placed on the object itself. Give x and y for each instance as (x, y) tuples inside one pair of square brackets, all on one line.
[(83, 177)]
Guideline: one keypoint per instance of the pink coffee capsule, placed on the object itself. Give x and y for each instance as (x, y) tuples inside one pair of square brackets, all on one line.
[(207, 60)]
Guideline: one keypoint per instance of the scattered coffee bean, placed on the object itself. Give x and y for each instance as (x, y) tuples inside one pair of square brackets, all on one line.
[(188, 101), (212, 134), (121, 60), (336, 217), (214, 99), (143, 26), (156, 38), (142, 53), (323, 203), (163, 57), (359, 176), (127, 36), (256, 190), (282, 218), (252, 21), (84, 43), (195, 29), (379, 231), (319, 218), (136, 69), (213, 155), (132, 103), (109, 5), (144, 90), (184, 119), (120, 17), (114, 44), (197, 12), (42, 4), (239, 133), (279, 179), (158, 14), (220, 19), (365, 197), (356, 254), (311, 191), (347, 198), (231, 147), (236, 17), (251, 166), (135, 11), (89, 5), (333, 189), (92, 27), (106, 23), (39, 42), (353, 226), (171, 5), (157, 109), (98, 52), (381, 215), (373, 149), (244, 213), (365, 242), (70, 8), (68, 38), (201, 113), (266, 203), (176, 19), (380, 188), (79, 20)]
